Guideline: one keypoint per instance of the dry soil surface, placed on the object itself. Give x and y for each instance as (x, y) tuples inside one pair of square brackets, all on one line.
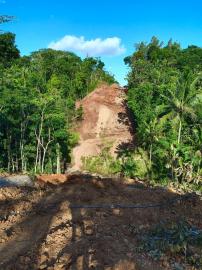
[(53, 226), (106, 120)]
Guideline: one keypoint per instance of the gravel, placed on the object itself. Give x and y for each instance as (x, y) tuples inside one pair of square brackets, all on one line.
[(16, 181)]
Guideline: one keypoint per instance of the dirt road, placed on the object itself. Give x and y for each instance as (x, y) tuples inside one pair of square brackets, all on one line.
[(42, 228)]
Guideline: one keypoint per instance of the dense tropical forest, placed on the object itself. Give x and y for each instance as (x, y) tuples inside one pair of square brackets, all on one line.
[(37, 105), (37, 109), (165, 96)]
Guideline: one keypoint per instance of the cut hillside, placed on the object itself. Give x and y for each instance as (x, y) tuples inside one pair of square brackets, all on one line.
[(105, 120)]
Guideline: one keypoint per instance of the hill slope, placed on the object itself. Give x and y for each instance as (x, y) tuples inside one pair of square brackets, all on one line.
[(105, 121)]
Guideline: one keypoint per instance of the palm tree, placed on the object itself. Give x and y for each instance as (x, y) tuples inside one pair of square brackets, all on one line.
[(180, 103)]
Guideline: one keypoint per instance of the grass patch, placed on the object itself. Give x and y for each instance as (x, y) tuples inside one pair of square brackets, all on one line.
[(177, 240)]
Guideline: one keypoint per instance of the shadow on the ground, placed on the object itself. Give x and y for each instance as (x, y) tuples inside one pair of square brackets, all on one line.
[(62, 231)]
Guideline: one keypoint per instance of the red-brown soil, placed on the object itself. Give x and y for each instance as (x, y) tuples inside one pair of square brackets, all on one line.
[(105, 120), (40, 228)]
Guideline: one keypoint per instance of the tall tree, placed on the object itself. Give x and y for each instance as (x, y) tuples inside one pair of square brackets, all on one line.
[(165, 96), (8, 49), (181, 103)]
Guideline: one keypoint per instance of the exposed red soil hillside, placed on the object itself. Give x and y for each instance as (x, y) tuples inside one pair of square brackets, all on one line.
[(105, 120)]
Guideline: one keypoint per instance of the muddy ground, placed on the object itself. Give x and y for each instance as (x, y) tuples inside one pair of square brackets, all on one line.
[(52, 227)]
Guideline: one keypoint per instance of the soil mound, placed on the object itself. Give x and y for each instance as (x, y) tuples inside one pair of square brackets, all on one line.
[(105, 120), (72, 226)]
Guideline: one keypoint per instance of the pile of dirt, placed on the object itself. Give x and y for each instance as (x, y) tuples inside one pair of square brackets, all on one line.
[(105, 120), (74, 226)]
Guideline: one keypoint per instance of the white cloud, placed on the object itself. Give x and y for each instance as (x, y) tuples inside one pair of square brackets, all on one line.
[(94, 47)]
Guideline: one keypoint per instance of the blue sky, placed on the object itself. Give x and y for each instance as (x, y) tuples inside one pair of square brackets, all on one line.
[(108, 28)]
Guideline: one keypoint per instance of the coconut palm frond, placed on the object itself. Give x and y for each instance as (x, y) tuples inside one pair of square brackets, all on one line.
[(190, 112), (195, 98), (163, 110), (193, 84), (159, 109), (165, 118)]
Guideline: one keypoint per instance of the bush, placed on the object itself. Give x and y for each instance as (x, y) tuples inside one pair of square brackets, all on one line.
[(103, 164)]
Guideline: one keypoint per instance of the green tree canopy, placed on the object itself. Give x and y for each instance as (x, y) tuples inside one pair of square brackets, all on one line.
[(165, 96), (8, 49)]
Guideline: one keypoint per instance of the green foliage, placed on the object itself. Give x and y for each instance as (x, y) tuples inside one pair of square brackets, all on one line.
[(106, 164), (73, 139), (103, 164), (37, 105), (128, 165), (8, 49), (164, 95)]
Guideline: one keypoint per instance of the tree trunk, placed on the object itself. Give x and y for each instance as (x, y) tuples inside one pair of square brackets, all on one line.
[(36, 158), (58, 158), (179, 132), (22, 143), (38, 138), (9, 151), (43, 161), (45, 148)]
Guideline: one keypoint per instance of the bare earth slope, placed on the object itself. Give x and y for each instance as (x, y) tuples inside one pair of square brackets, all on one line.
[(105, 120), (50, 228)]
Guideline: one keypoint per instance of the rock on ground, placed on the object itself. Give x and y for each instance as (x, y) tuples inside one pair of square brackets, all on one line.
[(16, 181)]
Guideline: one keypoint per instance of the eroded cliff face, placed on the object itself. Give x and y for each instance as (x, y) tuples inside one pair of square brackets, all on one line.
[(105, 121)]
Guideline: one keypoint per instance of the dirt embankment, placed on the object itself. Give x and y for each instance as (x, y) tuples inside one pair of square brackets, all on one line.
[(64, 227), (105, 120)]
